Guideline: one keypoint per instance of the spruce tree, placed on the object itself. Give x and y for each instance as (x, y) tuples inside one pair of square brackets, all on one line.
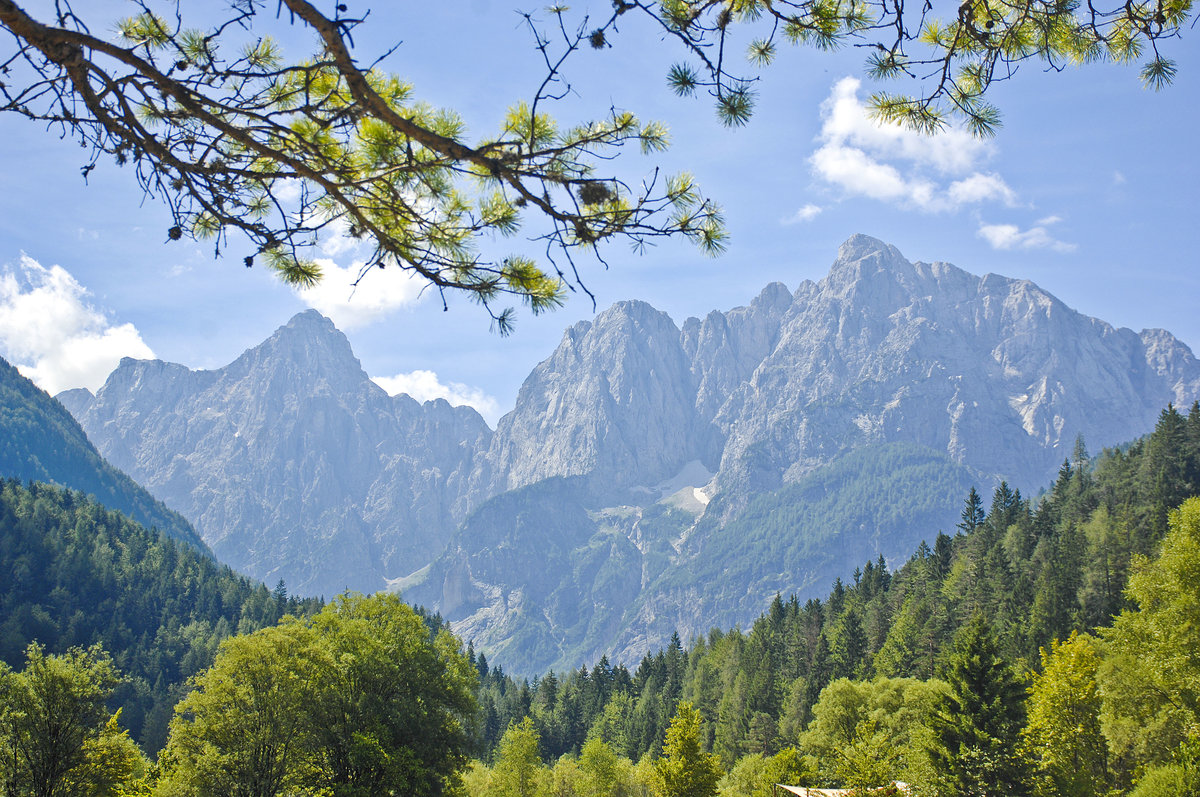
[(972, 513), (685, 769), (977, 727)]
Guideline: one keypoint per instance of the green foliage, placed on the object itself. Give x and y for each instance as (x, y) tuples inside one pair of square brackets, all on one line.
[(1063, 734), (40, 441), (358, 700), (242, 728), (869, 733), (755, 775), (393, 708), (1150, 676), (950, 56), (978, 723), (368, 695), (518, 771), (1035, 570), (224, 128), (685, 769), (57, 738), (74, 574)]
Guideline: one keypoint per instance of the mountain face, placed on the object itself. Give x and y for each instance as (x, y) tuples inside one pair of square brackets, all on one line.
[(650, 478), (40, 441), (995, 372), (774, 446), (290, 461)]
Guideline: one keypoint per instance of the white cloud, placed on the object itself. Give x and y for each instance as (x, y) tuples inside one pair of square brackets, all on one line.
[(806, 213), (1010, 236), (425, 386), (336, 240), (890, 163), (981, 188), (54, 336), (859, 173), (379, 293)]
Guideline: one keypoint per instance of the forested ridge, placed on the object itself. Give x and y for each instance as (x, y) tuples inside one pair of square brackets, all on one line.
[(1045, 647), (41, 441), (75, 574), (1033, 570)]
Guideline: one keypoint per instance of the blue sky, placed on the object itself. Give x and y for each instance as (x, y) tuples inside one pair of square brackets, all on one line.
[(1090, 189)]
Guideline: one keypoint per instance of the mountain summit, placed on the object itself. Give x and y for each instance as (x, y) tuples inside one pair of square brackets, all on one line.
[(290, 460), (651, 478)]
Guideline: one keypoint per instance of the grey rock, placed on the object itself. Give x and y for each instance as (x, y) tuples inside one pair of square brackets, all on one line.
[(611, 507), (290, 461), (980, 378)]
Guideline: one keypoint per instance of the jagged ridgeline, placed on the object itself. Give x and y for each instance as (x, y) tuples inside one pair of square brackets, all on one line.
[(1036, 568), (74, 573), (654, 476)]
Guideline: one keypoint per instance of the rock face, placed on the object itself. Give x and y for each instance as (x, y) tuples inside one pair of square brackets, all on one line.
[(616, 403), (651, 477), (290, 461), (902, 382), (993, 371)]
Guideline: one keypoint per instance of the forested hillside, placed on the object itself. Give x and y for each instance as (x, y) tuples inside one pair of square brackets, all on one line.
[(40, 441), (1046, 648), (74, 573), (1032, 570)]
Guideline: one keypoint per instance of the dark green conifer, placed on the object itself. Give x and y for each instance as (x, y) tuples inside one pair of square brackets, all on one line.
[(977, 727)]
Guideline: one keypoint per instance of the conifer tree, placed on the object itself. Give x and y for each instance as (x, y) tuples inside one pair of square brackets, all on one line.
[(972, 513), (978, 724), (685, 768)]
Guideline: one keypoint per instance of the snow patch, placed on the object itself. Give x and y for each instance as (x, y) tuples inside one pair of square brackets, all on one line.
[(693, 474)]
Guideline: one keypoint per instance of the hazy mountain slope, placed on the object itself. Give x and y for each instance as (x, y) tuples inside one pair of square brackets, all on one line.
[(290, 461), (40, 441), (554, 574)]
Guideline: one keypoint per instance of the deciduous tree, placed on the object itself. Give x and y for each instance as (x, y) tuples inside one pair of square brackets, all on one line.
[(1150, 676), (1063, 732), (358, 700), (57, 738), (518, 771)]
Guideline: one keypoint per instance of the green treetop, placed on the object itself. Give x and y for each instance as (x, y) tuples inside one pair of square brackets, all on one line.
[(685, 769), (977, 727), (357, 700), (57, 738)]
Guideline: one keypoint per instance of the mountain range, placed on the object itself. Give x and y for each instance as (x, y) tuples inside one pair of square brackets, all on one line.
[(651, 478)]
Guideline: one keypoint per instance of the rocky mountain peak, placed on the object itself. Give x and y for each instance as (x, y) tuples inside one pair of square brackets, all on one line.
[(859, 247), (294, 464), (774, 298), (870, 272), (306, 354)]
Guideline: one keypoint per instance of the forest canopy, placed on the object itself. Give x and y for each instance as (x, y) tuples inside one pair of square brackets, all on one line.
[(1047, 646)]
